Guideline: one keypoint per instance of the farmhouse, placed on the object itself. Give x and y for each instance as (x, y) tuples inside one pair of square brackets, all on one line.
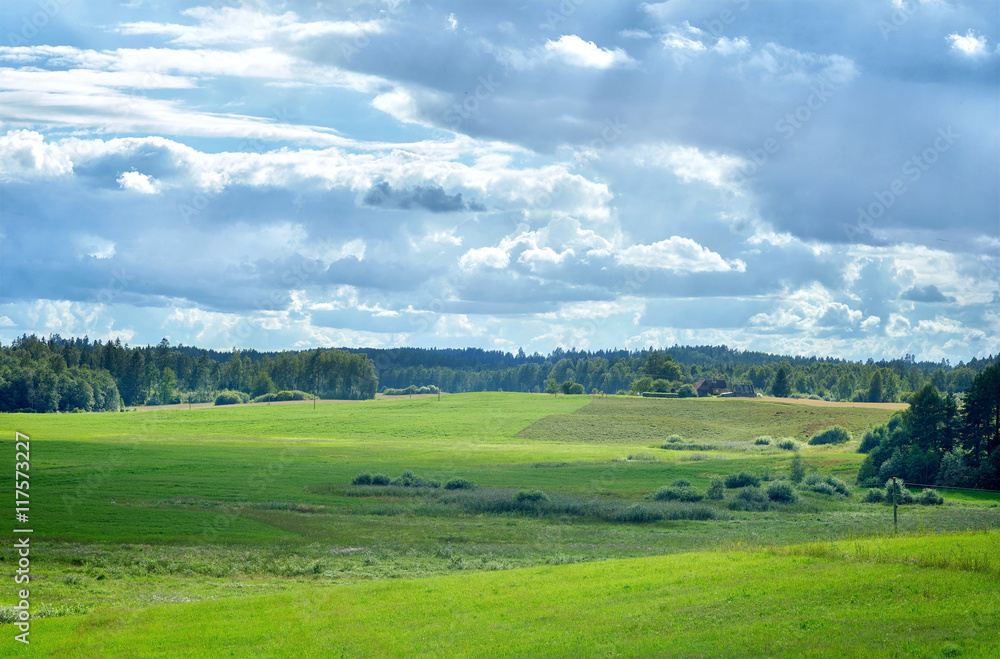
[(744, 390), (710, 387)]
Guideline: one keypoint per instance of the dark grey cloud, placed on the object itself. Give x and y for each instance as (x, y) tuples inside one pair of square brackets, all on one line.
[(433, 199), (928, 293)]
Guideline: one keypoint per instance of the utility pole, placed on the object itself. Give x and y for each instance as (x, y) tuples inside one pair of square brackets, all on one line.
[(895, 506)]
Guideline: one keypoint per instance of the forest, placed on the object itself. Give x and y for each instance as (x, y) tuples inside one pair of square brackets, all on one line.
[(67, 374)]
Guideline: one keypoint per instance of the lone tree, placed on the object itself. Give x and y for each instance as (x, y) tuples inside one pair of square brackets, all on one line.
[(781, 387)]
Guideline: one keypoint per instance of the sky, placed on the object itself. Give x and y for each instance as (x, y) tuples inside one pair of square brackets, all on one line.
[(809, 178)]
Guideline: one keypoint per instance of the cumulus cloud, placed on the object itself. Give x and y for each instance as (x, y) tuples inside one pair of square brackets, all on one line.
[(25, 154), (678, 254), (140, 183), (571, 49), (970, 44)]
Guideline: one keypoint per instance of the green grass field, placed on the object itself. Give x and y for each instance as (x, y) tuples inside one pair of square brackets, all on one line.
[(238, 530)]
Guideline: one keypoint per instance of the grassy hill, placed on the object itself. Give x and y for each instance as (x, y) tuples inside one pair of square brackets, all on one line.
[(146, 519)]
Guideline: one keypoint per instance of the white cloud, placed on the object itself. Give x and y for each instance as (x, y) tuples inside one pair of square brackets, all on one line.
[(678, 254), (94, 246), (574, 51), (25, 154), (940, 325), (140, 183), (678, 41), (635, 34), (452, 22), (487, 257), (969, 45), (244, 25), (689, 163), (569, 49)]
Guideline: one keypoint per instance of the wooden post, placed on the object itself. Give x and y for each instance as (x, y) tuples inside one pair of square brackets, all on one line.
[(895, 506)]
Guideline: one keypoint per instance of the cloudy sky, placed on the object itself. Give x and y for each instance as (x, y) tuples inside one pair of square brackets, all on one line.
[(796, 177)]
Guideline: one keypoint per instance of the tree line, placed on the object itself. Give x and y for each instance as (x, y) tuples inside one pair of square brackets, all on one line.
[(935, 441), (60, 374), (56, 374)]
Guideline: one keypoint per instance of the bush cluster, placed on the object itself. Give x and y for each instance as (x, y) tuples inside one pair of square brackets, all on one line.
[(295, 394), (831, 435), (531, 496), (230, 397), (716, 489), (781, 492), (459, 484), (411, 390), (826, 485), (750, 499), (762, 441), (678, 493), (787, 444), (406, 479), (874, 495), (742, 479)]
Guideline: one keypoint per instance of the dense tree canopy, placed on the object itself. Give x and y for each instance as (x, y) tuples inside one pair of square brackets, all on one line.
[(62, 374), (935, 441)]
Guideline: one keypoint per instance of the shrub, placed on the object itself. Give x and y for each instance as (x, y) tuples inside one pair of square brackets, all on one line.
[(674, 439), (531, 496), (381, 479), (742, 479), (459, 484), (782, 492), (681, 483), (228, 397), (282, 396), (363, 478), (750, 499), (930, 497), (678, 494), (831, 435), (874, 495), (903, 495), (787, 444), (687, 391), (798, 469), (871, 440), (716, 489), (762, 441), (823, 488), (838, 485), (826, 485)]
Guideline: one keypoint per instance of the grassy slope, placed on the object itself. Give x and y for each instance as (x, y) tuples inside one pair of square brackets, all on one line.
[(171, 506), (907, 597)]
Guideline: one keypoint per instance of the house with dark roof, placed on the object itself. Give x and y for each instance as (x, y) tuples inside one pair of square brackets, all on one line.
[(710, 387), (742, 391)]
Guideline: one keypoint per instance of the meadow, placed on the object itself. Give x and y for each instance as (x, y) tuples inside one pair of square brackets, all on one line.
[(240, 530)]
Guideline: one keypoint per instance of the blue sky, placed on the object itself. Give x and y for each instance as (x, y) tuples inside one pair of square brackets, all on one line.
[(796, 177)]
